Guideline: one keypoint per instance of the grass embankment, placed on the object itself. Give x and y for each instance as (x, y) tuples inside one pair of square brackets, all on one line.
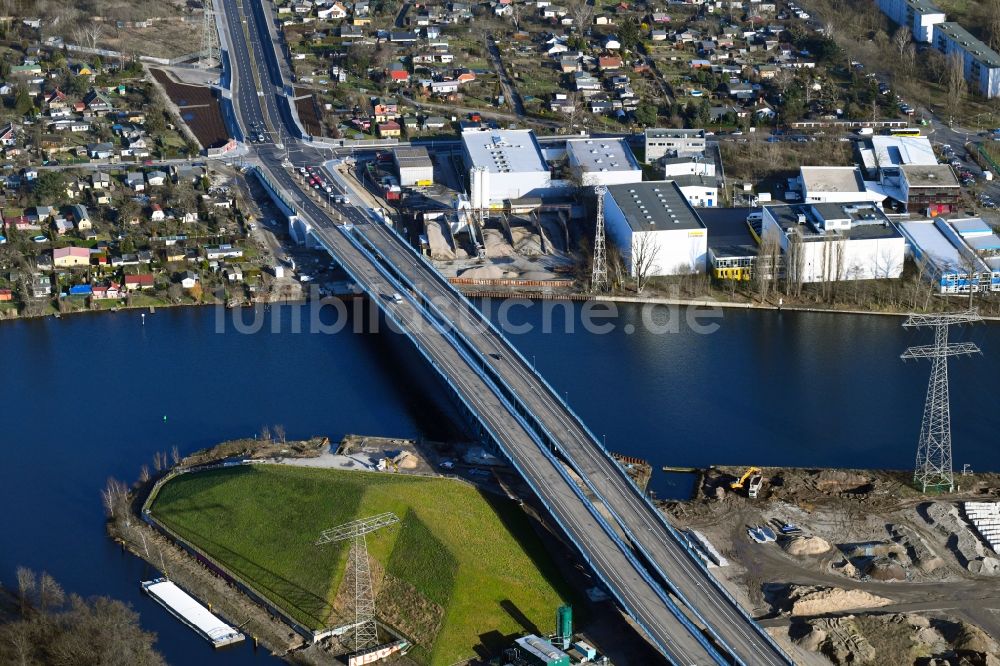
[(461, 570)]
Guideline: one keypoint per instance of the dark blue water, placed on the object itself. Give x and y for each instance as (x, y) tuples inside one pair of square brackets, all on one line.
[(83, 398)]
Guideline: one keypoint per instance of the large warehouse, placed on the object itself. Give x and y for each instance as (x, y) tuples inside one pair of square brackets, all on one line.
[(602, 162), (503, 164), (654, 225), (826, 242), (415, 166)]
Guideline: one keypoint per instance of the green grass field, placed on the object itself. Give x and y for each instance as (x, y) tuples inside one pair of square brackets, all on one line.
[(462, 569)]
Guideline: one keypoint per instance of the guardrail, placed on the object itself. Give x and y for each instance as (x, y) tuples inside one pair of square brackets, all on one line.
[(649, 505), (549, 456)]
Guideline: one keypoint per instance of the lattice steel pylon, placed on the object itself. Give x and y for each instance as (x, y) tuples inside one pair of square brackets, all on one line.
[(933, 467), (599, 275), (365, 627), (209, 53)]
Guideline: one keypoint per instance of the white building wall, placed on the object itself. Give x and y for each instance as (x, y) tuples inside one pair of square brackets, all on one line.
[(863, 259), (409, 176), (703, 168), (700, 196), (988, 83), (920, 24), (495, 187), (591, 178), (675, 251)]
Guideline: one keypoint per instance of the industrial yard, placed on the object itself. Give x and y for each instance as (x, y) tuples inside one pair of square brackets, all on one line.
[(852, 559)]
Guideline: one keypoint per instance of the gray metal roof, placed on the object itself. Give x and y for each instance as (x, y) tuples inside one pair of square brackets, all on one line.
[(412, 156), (980, 52), (728, 231), (866, 220), (655, 206), (602, 155)]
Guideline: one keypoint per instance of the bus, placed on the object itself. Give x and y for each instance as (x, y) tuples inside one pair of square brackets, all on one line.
[(904, 131)]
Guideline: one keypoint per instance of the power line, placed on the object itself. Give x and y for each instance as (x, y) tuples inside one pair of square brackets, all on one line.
[(934, 465)]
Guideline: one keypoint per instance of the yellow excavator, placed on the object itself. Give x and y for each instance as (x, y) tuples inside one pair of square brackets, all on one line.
[(754, 475)]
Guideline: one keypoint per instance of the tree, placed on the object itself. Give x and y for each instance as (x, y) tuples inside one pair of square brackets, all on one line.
[(628, 33), (956, 82), (765, 270), (901, 39), (644, 252), (581, 11), (645, 114), (23, 104), (992, 10), (50, 187), (279, 432), (54, 629)]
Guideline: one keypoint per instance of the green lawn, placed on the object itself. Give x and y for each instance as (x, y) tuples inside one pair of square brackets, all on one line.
[(463, 569)]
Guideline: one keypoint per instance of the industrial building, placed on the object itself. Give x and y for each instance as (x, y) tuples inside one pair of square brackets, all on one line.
[(981, 63), (929, 190), (415, 166), (602, 161), (732, 250), (826, 242), (920, 16), (947, 259), (655, 227), (539, 652), (834, 184), (664, 142), (691, 165), (700, 191), (503, 165)]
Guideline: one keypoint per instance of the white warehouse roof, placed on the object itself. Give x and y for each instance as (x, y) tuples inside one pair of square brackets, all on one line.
[(601, 155), (893, 151), (504, 151)]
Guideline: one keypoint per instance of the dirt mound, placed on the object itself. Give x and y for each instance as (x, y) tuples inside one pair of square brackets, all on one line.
[(810, 545), (884, 568), (808, 600)]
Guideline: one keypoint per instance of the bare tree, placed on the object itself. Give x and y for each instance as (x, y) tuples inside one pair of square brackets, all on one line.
[(279, 432), (50, 593), (175, 455), (992, 10), (795, 264), (901, 39), (116, 502), (27, 584), (582, 12), (265, 433), (144, 475), (765, 270), (956, 81), (644, 252)]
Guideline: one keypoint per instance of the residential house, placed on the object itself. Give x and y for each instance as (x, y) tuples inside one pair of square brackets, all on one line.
[(100, 151), (389, 129), (97, 102), (398, 72), (138, 282), (156, 178), (107, 292), (68, 257), (156, 213), (8, 135), (135, 180), (188, 279), (81, 217)]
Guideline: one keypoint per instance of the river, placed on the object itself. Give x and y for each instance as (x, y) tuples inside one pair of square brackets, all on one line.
[(92, 396)]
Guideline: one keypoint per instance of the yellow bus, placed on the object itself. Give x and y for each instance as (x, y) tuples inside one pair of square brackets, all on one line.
[(904, 131)]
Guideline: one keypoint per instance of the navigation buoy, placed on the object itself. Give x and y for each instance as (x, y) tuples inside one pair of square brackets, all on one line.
[(164, 417), (143, 315)]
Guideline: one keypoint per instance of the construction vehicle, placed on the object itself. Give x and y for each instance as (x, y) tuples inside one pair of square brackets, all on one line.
[(753, 474)]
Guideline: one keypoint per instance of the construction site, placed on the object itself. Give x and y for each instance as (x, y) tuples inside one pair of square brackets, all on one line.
[(860, 566)]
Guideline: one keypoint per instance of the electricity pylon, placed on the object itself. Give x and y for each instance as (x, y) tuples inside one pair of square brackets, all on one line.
[(599, 276), (934, 468), (365, 628), (209, 53)]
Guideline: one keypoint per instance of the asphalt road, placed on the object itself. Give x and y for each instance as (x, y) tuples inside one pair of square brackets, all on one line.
[(462, 360)]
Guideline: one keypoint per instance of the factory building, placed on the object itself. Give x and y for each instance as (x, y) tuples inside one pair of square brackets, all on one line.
[(700, 191), (602, 162), (947, 259), (654, 225), (929, 190), (692, 165), (826, 242), (663, 142), (839, 184), (920, 16), (503, 165), (732, 250), (414, 165), (981, 64)]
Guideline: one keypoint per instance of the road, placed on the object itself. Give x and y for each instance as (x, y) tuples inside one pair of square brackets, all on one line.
[(510, 92), (512, 402)]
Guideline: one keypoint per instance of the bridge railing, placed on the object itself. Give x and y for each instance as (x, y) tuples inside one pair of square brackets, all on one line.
[(651, 508), (484, 422)]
